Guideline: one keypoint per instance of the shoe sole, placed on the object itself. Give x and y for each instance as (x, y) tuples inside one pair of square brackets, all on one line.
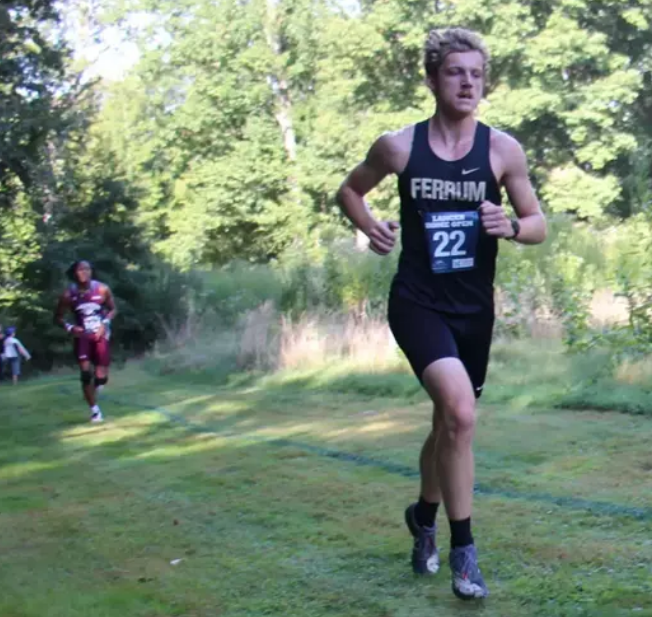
[(465, 597), (461, 596)]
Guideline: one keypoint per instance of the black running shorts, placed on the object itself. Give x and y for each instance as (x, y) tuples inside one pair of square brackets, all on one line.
[(426, 335)]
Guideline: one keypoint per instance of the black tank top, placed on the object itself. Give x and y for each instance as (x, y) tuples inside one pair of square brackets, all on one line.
[(447, 262)]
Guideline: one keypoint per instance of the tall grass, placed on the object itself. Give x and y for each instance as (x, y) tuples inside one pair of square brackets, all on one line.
[(327, 315), (315, 340), (266, 340)]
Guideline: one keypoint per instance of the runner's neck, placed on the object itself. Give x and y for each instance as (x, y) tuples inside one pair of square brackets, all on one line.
[(452, 132)]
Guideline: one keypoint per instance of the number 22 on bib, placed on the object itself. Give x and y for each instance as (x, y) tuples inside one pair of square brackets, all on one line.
[(452, 240)]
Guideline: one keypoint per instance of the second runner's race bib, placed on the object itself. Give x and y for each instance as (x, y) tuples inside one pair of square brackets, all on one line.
[(452, 240), (92, 323)]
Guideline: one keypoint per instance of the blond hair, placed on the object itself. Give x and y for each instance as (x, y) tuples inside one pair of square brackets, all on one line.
[(441, 43)]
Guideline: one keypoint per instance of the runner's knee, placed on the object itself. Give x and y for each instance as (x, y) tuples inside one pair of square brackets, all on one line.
[(101, 381), (86, 377), (458, 420)]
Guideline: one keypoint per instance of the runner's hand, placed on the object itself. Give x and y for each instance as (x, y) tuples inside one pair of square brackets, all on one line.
[(99, 333), (77, 331), (494, 220), (382, 236)]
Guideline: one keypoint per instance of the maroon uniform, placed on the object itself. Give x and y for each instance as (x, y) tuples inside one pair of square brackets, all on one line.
[(89, 310)]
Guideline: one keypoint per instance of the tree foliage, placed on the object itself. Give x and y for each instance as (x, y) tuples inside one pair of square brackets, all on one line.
[(63, 197), (229, 137), (255, 110)]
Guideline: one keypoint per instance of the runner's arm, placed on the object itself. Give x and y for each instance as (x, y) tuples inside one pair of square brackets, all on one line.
[(377, 165), (521, 195), (63, 306), (109, 302)]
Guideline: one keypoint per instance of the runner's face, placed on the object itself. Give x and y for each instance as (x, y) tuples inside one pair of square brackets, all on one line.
[(83, 273), (459, 83)]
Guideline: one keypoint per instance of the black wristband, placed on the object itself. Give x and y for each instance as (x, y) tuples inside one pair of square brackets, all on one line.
[(516, 226)]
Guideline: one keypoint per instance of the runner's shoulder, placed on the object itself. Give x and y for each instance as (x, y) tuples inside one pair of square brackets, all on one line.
[(504, 144), (398, 140), (103, 288), (393, 147)]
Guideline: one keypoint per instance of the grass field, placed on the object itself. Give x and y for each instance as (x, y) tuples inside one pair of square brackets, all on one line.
[(277, 497)]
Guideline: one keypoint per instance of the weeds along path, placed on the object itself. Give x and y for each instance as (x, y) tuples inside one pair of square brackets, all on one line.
[(279, 500)]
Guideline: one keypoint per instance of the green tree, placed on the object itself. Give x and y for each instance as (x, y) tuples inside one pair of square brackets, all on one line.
[(32, 111), (242, 118), (64, 197), (219, 120)]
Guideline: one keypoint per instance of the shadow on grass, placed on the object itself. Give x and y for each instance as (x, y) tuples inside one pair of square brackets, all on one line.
[(265, 411), (244, 422)]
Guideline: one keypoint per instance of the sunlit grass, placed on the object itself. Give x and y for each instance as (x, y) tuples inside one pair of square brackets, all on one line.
[(16, 471), (284, 496)]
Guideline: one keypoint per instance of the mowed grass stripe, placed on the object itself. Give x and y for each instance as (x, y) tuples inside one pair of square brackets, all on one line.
[(264, 529), (270, 531), (225, 429)]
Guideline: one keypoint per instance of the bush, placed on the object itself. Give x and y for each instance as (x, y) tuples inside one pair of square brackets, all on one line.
[(231, 291), (344, 279)]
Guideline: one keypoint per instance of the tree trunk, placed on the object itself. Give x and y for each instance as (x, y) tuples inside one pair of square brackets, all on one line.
[(279, 85)]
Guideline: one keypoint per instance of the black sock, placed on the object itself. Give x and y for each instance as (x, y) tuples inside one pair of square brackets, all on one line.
[(461, 533), (425, 513)]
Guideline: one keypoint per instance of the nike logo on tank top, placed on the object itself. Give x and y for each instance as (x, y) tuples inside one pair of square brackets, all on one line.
[(447, 261)]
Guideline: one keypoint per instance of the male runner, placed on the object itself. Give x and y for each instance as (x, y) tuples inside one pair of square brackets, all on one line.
[(450, 172), (94, 308)]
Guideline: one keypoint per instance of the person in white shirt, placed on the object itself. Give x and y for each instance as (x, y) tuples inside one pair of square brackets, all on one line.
[(2, 353), (12, 350)]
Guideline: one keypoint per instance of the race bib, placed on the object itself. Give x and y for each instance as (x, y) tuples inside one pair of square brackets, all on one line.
[(92, 323), (452, 240)]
